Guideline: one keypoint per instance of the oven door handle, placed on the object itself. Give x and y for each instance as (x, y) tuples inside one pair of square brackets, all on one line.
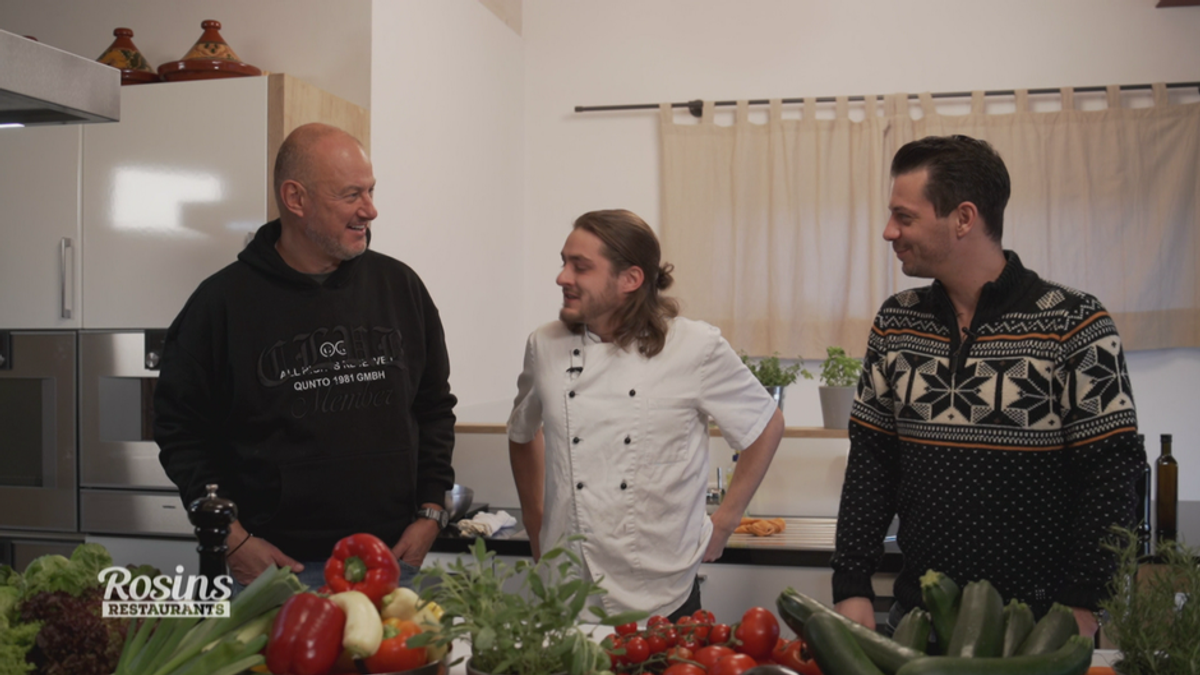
[(68, 290)]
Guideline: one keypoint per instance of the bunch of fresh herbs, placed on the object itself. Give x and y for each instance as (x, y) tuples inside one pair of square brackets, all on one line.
[(532, 631), (838, 369), (1154, 608), (772, 373)]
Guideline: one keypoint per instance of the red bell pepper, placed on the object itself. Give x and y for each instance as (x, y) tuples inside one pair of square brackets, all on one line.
[(306, 638), (362, 562)]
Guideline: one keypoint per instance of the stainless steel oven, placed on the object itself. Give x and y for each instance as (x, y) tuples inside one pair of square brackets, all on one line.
[(123, 488), (38, 486)]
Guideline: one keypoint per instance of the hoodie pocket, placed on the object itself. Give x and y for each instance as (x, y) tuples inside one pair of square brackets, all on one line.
[(345, 493)]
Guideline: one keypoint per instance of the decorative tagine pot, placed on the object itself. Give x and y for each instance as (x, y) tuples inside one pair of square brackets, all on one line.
[(210, 58)]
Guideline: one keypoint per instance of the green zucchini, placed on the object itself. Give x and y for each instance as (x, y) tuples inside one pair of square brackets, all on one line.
[(913, 630), (1018, 622), (797, 609), (1073, 658), (979, 631), (835, 649), (941, 596), (1051, 632)]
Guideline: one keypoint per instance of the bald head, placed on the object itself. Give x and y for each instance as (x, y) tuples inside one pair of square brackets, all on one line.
[(297, 160)]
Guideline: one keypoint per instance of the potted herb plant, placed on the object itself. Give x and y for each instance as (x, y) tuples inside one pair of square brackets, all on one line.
[(533, 630), (839, 377), (774, 375), (1154, 607)]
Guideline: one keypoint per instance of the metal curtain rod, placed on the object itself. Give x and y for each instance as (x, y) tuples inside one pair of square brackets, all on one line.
[(697, 107)]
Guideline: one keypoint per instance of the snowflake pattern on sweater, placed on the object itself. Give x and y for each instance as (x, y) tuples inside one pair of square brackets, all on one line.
[(1007, 455)]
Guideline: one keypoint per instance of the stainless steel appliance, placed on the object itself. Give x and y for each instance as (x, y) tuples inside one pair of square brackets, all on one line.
[(40, 84), (123, 488), (38, 486)]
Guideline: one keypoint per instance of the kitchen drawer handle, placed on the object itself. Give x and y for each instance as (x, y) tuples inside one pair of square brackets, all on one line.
[(63, 245)]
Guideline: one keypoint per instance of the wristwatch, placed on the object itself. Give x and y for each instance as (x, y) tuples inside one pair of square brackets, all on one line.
[(438, 515)]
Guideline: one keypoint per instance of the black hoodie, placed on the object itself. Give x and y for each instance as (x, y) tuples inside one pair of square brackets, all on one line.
[(321, 410)]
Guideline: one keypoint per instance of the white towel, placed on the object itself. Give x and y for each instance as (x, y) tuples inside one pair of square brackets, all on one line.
[(486, 524)]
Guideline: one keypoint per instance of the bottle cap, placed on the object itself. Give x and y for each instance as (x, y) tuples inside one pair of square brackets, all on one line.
[(1166, 438)]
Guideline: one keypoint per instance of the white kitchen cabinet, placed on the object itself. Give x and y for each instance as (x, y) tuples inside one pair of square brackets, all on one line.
[(729, 590), (39, 227), (169, 195), (140, 211)]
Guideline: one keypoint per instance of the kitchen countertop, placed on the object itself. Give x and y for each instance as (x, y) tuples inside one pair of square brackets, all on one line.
[(807, 542)]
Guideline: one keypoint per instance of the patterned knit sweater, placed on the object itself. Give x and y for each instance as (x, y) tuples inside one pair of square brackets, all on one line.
[(1007, 455)]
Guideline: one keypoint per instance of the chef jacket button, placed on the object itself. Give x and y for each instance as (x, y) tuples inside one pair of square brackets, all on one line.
[(576, 352), (572, 394), (623, 485), (579, 485), (628, 440), (575, 440), (632, 392)]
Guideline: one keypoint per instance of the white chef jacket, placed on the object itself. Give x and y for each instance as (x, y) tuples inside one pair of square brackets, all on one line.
[(627, 457)]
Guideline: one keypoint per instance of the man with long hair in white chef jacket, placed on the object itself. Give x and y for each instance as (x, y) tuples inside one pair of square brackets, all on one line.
[(608, 436)]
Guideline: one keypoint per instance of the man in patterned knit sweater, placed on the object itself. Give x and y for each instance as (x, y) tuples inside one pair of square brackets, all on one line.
[(994, 413)]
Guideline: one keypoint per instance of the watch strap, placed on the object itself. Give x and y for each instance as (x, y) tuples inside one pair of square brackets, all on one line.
[(437, 515)]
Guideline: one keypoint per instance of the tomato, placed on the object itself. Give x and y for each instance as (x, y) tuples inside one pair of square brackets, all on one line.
[(679, 654), (797, 657), (611, 644), (734, 664), (758, 632), (719, 634), (671, 636), (684, 669), (708, 656), (690, 643), (657, 642), (637, 650), (657, 619), (626, 629), (705, 617)]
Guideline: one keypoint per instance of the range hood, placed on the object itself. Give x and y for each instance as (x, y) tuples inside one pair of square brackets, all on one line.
[(40, 84)]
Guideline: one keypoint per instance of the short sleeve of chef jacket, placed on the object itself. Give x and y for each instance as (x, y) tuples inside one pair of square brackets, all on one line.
[(732, 396), (526, 417)]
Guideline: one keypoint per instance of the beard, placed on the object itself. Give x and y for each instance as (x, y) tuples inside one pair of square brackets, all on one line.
[(332, 246)]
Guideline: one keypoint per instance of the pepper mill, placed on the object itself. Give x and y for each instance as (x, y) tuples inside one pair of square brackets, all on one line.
[(212, 516)]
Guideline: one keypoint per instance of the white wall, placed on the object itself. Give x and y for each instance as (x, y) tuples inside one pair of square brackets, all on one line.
[(630, 51), (447, 132), (327, 44)]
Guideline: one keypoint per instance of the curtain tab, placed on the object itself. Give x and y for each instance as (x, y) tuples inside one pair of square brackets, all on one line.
[(743, 112), (1022, 100), (1068, 99), (706, 116), (841, 109), (1113, 93), (776, 110), (810, 108), (927, 106), (666, 114), (872, 106), (1160, 93), (977, 103)]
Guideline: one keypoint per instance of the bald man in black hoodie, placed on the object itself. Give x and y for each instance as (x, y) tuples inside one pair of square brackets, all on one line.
[(310, 380)]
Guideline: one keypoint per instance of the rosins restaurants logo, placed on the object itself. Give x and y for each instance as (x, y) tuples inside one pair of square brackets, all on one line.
[(164, 596)]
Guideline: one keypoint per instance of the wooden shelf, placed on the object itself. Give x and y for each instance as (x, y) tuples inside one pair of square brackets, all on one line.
[(789, 432)]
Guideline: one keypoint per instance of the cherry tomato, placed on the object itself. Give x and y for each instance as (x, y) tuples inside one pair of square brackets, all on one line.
[(719, 634), (679, 654), (703, 616), (657, 642), (690, 643), (656, 620), (637, 650), (797, 657), (708, 656), (734, 664), (684, 669), (758, 632), (612, 644), (671, 636), (626, 629)]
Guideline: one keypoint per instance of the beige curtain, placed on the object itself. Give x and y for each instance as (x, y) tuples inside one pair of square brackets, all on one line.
[(775, 229)]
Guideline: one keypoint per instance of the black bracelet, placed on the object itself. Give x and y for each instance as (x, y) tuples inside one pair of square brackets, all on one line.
[(243, 543)]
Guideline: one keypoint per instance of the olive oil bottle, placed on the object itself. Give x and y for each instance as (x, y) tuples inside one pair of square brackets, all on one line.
[(1167, 494)]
